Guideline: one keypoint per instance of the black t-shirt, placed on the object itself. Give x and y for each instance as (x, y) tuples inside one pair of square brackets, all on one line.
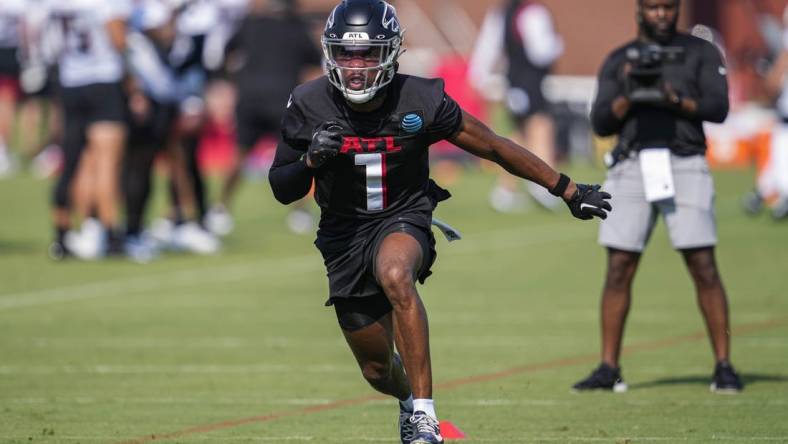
[(383, 166), (521, 71), (274, 51), (701, 76)]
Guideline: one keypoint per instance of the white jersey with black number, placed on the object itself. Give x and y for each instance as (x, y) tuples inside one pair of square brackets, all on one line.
[(11, 14), (87, 55), (198, 17)]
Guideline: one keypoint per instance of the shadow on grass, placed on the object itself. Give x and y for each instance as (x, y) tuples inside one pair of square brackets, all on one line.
[(747, 378)]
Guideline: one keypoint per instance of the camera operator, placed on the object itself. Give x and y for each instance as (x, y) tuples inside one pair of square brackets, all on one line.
[(654, 93)]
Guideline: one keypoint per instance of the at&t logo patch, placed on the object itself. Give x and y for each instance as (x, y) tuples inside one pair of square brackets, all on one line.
[(412, 123)]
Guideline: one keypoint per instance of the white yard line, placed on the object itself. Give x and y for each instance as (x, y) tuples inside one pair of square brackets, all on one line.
[(492, 240)]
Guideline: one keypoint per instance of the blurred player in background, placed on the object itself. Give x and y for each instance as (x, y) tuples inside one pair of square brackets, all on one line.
[(524, 33), (362, 134), (153, 107), (772, 185), (91, 68), (40, 126), (270, 54), (11, 16), (202, 28)]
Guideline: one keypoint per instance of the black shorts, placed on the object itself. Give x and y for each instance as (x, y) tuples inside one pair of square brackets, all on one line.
[(522, 102), (255, 120), (354, 291), (9, 62), (154, 130), (99, 102)]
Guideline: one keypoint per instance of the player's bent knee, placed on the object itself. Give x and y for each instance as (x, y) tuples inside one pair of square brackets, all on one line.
[(376, 372), (395, 278)]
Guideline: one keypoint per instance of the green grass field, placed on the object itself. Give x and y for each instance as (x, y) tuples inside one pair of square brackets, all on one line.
[(238, 348)]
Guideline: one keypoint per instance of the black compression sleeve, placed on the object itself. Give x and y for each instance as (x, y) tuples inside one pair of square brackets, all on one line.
[(713, 101), (289, 177), (605, 123)]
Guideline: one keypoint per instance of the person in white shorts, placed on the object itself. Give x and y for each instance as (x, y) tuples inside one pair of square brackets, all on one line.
[(659, 168)]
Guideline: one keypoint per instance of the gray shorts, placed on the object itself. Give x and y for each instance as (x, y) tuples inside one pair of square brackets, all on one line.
[(689, 216)]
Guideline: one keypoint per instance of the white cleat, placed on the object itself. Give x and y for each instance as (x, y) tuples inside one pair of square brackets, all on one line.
[(543, 197), (191, 237), (7, 164), (219, 221), (300, 221), (89, 243), (504, 200), (141, 248), (161, 231)]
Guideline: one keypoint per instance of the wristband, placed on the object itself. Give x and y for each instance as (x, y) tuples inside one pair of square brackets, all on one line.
[(559, 188)]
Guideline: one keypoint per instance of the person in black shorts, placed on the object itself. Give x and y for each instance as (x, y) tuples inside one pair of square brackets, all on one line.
[(91, 71), (362, 134), (271, 51)]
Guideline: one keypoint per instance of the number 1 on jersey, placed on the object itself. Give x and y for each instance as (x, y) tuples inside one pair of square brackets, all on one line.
[(375, 164)]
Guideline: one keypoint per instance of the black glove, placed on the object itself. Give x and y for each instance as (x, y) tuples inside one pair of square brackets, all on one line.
[(588, 201), (326, 142)]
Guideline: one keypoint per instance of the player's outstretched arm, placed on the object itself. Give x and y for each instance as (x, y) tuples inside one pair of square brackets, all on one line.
[(584, 201)]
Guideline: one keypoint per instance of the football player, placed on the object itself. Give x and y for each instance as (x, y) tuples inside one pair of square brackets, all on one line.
[(271, 51), (11, 14), (93, 36), (362, 134)]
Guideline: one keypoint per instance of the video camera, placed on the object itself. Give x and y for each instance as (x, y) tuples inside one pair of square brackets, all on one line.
[(644, 83)]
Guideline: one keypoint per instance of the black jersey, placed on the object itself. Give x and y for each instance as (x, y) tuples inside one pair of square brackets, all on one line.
[(382, 167), (274, 51), (521, 71)]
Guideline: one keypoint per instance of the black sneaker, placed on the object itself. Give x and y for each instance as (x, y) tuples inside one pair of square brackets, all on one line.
[(603, 377), (780, 210), (752, 203), (725, 379), (57, 251)]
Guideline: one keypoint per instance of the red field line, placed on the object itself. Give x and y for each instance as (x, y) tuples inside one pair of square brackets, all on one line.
[(549, 365)]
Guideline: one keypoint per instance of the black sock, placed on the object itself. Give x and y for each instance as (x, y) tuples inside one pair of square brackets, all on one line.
[(60, 233), (115, 239)]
